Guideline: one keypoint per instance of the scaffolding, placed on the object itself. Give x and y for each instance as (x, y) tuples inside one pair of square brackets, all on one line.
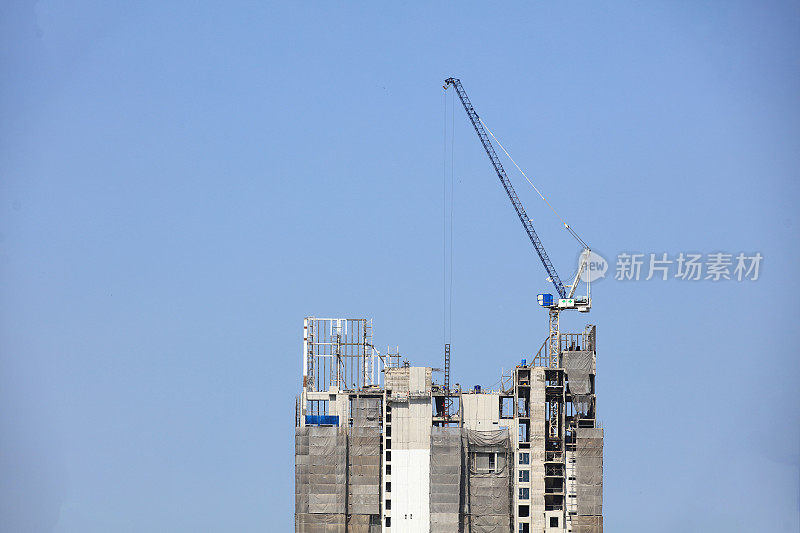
[(338, 352)]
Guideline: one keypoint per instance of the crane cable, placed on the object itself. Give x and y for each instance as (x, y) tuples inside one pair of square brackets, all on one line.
[(572, 231), (444, 226), (452, 205), (447, 259)]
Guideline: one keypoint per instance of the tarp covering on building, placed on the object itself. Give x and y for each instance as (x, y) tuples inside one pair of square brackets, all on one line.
[(578, 366), (445, 479), (321, 469), (364, 458), (486, 479), (337, 474), (589, 474), (587, 524)]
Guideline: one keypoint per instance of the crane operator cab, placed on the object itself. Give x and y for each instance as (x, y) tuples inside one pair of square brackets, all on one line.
[(581, 304)]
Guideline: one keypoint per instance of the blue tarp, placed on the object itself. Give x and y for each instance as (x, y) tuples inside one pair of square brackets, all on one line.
[(322, 420)]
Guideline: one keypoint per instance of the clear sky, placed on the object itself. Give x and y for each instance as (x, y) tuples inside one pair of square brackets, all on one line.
[(181, 183)]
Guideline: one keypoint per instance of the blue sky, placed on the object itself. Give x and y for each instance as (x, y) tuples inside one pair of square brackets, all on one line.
[(181, 184)]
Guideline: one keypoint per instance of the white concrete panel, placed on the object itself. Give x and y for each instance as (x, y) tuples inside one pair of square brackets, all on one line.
[(411, 442), (481, 411), (410, 491), (558, 515), (339, 405), (419, 379), (411, 424), (415, 379)]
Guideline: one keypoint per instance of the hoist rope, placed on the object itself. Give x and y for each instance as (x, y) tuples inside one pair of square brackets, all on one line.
[(444, 225), (447, 251), (567, 226), (452, 205)]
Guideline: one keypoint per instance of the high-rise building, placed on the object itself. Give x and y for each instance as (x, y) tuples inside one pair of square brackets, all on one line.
[(381, 446)]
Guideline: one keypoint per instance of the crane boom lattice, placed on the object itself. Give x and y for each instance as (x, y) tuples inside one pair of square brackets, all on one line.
[(512, 194)]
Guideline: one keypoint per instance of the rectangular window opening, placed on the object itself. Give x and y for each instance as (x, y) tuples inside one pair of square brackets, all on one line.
[(488, 461), (507, 407)]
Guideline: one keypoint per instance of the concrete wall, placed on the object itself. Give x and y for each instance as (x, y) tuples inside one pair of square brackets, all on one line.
[(537, 436), (481, 412), (558, 515), (419, 379), (411, 437), (405, 380)]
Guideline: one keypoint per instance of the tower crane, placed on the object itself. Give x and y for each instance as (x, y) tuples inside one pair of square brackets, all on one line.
[(566, 299)]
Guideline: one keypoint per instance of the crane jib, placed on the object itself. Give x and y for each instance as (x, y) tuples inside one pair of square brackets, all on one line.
[(512, 194)]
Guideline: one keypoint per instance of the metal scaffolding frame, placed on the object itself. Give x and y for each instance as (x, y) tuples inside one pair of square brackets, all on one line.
[(338, 352)]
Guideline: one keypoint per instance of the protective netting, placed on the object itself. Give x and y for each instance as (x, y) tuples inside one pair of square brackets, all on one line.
[(320, 480), (578, 366), (327, 470), (486, 478), (320, 523), (336, 523), (364, 458), (366, 412), (337, 474), (589, 472), (445, 479), (587, 524), (363, 524)]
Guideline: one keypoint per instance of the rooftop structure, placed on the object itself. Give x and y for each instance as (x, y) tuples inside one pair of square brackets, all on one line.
[(381, 446)]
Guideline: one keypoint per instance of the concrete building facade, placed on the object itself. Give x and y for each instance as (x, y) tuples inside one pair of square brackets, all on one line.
[(380, 446)]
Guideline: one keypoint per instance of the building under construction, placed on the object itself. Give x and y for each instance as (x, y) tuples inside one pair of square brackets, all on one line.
[(384, 446)]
